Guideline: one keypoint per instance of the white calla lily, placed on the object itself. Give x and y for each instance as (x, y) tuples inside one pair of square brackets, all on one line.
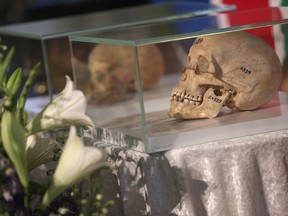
[(76, 163), (67, 108), (39, 151)]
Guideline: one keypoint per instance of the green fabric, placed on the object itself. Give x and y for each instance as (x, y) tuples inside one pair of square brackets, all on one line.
[(284, 29), (284, 3)]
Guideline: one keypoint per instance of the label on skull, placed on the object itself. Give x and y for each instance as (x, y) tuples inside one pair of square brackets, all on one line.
[(241, 79), (215, 99), (245, 70)]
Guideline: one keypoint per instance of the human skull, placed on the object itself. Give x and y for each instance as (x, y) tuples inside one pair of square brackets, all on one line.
[(113, 70), (237, 70)]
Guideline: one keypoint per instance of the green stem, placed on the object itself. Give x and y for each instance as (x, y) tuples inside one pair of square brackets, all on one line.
[(26, 201)]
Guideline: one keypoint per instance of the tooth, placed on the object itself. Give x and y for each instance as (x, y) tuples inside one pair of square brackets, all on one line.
[(186, 101), (182, 95), (175, 98), (178, 94)]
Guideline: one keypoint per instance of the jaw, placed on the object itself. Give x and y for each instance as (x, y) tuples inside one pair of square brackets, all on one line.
[(182, 111), (209, 107)]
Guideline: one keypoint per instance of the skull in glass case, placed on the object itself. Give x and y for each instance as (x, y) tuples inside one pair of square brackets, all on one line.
[(237, 69)]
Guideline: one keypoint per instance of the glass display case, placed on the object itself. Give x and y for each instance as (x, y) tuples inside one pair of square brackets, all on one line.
[(46, 41), (130, 72)]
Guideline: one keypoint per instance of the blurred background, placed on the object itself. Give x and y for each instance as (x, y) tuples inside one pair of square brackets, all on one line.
[(16, 11)]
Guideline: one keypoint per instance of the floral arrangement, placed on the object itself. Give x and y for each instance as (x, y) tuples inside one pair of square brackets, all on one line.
[(25, 146)]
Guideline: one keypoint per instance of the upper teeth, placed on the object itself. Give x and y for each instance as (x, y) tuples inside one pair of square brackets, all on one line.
[(186, 98)]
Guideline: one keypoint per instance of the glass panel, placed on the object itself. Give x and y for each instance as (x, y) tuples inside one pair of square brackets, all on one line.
[(187, 28), (52, 35), (150, 129), (109, 81), (114, 18)]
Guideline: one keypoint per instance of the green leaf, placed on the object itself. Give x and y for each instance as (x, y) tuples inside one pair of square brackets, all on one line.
[(11, 89), (24, 93), (14, 141), (5, 64), (14, 83)]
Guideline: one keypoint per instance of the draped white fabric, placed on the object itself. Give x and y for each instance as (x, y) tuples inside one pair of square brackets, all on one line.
[(245, 176)]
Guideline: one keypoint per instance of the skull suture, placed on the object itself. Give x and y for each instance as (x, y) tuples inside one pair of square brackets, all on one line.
[(237, 70)]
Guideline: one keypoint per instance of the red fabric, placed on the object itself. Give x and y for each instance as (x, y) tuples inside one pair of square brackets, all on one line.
[(248, 4), (242, 5)]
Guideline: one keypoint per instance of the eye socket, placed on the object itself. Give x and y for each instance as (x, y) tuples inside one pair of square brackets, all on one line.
[(217, 92)]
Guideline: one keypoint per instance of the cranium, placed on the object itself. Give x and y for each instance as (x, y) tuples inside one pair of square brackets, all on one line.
[(113, 69), (237, 70)]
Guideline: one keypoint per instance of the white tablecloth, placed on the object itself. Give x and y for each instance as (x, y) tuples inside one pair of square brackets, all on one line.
[(245, 176)]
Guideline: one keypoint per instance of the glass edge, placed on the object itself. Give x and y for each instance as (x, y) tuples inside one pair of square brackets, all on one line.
[(141, 100), (208, 32), (174, 37), (277, 123), (74, 38), (20, 34)]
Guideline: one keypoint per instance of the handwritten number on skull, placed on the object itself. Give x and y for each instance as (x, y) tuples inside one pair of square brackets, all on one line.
[(245, 70), (217, 100)]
